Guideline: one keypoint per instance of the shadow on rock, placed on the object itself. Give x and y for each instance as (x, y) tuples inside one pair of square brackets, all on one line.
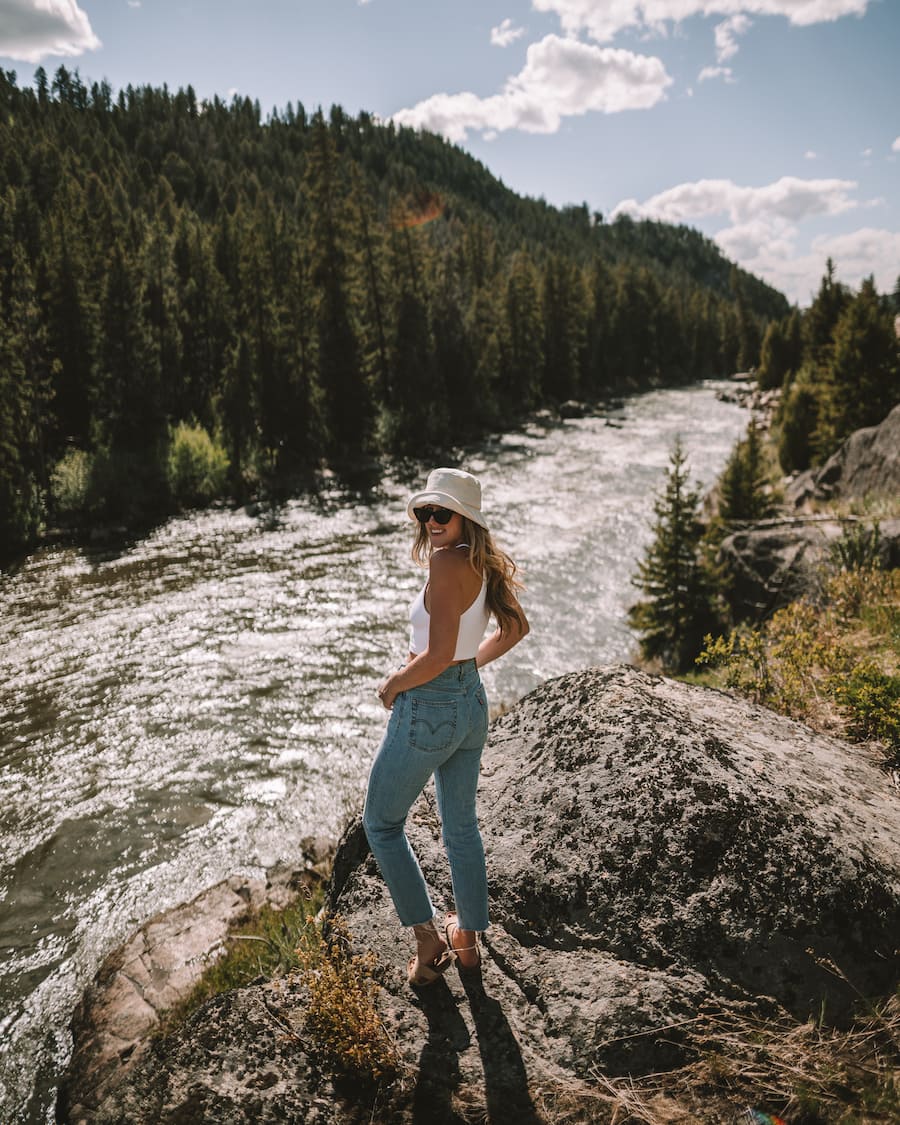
[(439, 1071), (505, 1078), (506, 1094)]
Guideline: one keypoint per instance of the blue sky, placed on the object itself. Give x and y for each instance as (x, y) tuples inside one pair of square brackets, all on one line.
[(771, 125)]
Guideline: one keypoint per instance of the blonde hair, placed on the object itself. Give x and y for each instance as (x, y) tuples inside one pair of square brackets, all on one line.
[(487, 560)]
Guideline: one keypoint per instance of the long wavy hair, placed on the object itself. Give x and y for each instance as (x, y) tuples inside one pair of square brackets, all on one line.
[(487, 560)]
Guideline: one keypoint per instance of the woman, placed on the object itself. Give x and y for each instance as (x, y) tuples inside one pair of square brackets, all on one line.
[(439, 719)]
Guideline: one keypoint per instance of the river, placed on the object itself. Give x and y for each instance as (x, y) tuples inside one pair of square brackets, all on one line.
[(195, 703)]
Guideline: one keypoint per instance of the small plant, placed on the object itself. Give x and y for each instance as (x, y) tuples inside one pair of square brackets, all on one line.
[(341, 1017), (871, 701), (261, 946), (859, 548)]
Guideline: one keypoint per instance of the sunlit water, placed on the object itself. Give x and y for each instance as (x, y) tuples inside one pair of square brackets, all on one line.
[(197, 703)]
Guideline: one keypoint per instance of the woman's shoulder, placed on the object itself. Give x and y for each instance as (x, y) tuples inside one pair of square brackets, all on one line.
[(447, 559)]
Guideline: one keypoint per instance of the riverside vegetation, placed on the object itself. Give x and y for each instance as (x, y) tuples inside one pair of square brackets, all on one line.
[(833, 657), (199, 303)]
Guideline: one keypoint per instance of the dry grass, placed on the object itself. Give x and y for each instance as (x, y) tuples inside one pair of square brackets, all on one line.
[(345, 1031), (753, 1069)]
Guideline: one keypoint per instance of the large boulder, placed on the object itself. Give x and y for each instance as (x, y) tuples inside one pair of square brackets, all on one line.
[(774, 562), (653, 848), (866, 465)]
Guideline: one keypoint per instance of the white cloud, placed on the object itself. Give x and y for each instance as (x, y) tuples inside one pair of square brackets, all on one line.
[(810, 155), (715, 72), (856, 255), (561, 78), (30, 30), (604, 19), (726, 33), (789, 198), (895, 147), (861, 253), (764, 234), (505, 33)]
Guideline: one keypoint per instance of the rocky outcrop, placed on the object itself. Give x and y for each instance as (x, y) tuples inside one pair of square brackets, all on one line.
[(774, 562), (866, 465), (653, 848), (155, 970)]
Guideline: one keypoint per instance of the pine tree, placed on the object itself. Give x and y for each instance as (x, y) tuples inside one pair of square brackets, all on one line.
[(23, 400), (345, 388), (677, 611), (597, 360), (863, 375), (743, 492), (71, 328), (823, 314), (797, 421), (524, 361)]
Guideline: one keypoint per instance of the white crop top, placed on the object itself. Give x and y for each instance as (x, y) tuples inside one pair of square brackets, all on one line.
[(472, 624)]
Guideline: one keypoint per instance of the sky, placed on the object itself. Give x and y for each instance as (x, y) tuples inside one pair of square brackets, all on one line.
[(772, 126)]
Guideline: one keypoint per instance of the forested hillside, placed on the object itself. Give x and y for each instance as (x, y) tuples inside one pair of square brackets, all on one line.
[(196, 302)]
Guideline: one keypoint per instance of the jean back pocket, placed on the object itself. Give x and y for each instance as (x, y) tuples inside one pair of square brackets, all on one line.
[(433, 724)]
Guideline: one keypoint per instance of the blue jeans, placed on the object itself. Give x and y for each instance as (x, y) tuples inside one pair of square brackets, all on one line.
[(438, 728)]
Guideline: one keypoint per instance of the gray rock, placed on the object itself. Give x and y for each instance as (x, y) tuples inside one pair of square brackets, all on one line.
[(653, 848), (156, 969), (774, 562), (866, 465)]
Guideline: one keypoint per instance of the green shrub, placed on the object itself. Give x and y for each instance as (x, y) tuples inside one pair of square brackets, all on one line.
[(782, 665), (838, 658), (870, 699), (798, 415), (859, 548), (70, 484), (197, 467)]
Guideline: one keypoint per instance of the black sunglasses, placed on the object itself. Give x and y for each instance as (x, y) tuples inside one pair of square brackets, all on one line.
[(440, 515)]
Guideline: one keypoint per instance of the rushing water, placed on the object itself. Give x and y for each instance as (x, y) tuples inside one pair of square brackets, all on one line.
[(195, 704)]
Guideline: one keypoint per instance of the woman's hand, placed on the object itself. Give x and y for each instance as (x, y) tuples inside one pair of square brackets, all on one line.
[(387, 692)]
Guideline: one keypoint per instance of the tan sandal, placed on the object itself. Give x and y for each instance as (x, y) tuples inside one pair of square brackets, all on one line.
[(451, 925), (420, 973)]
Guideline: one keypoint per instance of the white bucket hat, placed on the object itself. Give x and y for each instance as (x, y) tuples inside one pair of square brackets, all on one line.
[(451, 488)]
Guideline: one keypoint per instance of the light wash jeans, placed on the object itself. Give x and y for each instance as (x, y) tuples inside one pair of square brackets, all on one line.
[(438, 728)]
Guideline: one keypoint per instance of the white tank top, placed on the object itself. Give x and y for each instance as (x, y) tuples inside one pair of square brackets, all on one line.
[(472, 624)]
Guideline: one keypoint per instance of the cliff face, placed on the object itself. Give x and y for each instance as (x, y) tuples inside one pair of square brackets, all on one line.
[(775, 562), (652, 848), (867, 464)]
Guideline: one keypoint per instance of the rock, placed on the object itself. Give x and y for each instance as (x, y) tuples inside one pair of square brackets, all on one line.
[(866, 465), (156, 969), (653, 849), (572, 409), (774, 562)]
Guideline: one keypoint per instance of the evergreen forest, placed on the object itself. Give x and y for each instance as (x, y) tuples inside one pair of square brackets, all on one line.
[(198, 302), (837, 365)]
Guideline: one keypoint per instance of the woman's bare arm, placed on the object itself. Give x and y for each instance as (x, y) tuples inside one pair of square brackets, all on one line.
[(501, 641), (447, 597)]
